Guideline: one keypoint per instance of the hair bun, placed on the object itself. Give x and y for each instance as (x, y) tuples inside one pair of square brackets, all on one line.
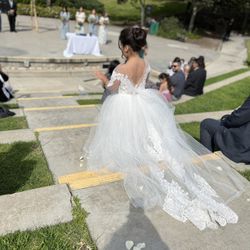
[(139, 34)]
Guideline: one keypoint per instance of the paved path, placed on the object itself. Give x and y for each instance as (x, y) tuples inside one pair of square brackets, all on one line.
[(47, 44)]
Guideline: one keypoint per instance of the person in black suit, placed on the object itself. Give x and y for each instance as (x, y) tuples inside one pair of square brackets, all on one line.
[(195, 80), (11, 12), (231, 134)]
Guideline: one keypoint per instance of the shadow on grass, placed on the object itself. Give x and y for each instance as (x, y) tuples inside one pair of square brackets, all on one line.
[(15, 170), (22, 167)]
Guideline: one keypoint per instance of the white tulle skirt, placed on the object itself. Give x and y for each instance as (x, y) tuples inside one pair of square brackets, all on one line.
[(137, 135)]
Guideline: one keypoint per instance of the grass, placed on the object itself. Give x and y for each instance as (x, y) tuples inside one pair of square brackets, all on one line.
[(72, 235), (77, 94), (11, 123), (246, 174), (192, 128), (10, 106), (89, 101), (22, 167), (225, 76), (225, 98), (248, 51)]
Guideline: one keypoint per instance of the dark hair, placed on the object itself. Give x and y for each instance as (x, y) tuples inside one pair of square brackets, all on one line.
[(177, 60), (135, 37), (201, 62), (164, 76)]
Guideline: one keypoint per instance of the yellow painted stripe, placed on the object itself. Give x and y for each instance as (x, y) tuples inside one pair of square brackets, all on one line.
[(43, 98), (76, 176), (64, 127), (60, 107), (96, 181)]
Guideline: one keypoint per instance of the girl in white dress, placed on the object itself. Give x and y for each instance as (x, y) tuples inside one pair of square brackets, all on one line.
[(102, 32), (137, 135), (64, 16), (80, 19)]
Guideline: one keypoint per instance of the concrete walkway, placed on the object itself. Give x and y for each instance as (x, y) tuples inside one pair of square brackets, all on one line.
[(47, 44)]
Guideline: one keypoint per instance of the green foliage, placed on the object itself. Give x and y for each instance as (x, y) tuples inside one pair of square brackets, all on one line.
[(22, 167), (248, 51), (74, 4), (172, 28), (72, 235), (225, 98)]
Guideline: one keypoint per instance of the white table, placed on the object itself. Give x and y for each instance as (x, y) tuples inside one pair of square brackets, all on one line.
[(81, 45)]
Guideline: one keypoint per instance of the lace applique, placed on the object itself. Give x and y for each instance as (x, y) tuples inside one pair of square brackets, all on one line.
[(203, 211)]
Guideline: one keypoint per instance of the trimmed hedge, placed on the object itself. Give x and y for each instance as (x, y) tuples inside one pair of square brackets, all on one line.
[(88, 5)]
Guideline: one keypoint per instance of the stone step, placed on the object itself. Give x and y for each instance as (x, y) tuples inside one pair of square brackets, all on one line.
[(113, 221), (63, 150), (35, 208), (198, 117), (12, 136), (62, 117)]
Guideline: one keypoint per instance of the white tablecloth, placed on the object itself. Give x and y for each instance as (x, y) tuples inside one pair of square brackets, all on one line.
[(81, 45)]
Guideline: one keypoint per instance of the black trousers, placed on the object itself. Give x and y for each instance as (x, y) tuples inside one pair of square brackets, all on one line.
[(208, 128), (12, 22)]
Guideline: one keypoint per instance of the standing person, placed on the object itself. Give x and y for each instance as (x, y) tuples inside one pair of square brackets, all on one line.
[(137, 136), (196, 79), (80, 19), (177, 80), (65, 16), (93, 20), (102, 32), (11, 12)]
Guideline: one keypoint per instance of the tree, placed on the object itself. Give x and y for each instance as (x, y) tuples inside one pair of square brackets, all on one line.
[(198, 5), (142, 5)]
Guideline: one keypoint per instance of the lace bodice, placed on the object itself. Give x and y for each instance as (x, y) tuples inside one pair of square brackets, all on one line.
[(126, 85)]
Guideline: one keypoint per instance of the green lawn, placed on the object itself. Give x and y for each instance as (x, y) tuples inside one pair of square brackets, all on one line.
[(192, 128), (246, 174), (225, 76), (228, 97), (23, 167), (67, 236), (77, 94), (11, 123), (10, 106), (89, 101)]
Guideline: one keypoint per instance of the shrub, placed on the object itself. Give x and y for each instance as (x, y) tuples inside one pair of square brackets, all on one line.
[(88, 5), (172, 28)]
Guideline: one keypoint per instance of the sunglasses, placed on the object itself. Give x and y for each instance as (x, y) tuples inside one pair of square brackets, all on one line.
[(174, 66)]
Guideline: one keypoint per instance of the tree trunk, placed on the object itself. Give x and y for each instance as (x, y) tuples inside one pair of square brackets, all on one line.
[(192, 19), (142, 15), (48, 3)]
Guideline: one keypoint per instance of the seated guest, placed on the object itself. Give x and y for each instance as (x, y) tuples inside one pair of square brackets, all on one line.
[(231, 134), (195, 80), (165, 88), (5, 94), (177, 80), (186, 70)]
